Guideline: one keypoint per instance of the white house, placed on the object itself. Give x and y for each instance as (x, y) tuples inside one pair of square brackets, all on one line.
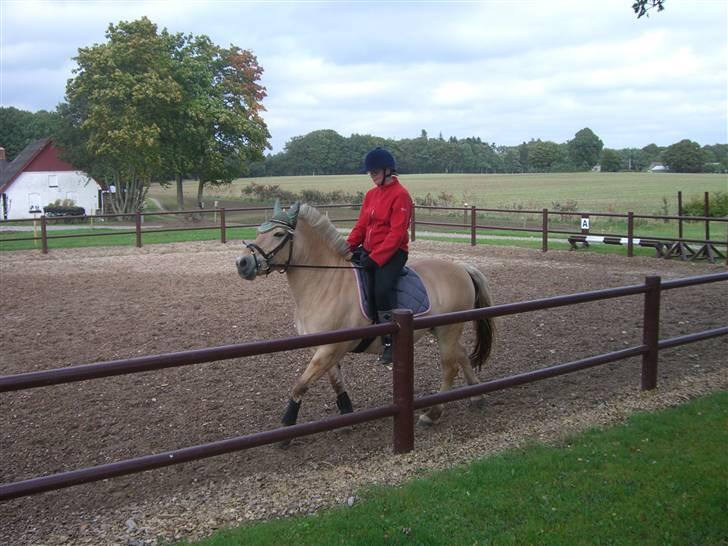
[(38, 177)]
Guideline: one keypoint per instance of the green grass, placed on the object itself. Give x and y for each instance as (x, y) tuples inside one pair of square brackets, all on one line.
[(596, 192), (114, 238), (660, 478)]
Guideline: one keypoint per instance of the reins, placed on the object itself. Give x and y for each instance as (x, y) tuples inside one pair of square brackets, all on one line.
[(255, 250)]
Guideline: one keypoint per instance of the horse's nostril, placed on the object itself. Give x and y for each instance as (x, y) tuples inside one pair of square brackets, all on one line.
[(246, 267)]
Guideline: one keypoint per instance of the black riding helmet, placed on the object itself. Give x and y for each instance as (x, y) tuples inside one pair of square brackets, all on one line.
[(379, 158)]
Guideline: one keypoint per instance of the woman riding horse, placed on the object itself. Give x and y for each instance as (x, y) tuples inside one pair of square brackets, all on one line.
[(382, 230), (305, 245)]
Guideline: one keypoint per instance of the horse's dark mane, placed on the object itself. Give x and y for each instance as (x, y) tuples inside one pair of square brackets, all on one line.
[(326, 230)]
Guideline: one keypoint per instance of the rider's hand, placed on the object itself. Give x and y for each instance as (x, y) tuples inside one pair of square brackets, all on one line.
[(368, 263)]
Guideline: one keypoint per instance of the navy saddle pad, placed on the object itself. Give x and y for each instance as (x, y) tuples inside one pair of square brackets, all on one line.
[(411, 293)]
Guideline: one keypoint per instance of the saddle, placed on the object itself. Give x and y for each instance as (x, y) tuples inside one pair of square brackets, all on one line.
[(410, 293)]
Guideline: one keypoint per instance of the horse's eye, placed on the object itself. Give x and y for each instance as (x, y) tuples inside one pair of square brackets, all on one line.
[(279, 234)]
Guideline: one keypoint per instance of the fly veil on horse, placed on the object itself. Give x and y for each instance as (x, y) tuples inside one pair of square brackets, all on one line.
[(305, 245)]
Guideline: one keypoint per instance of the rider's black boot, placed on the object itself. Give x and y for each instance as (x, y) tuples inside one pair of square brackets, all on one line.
[(386, 357)]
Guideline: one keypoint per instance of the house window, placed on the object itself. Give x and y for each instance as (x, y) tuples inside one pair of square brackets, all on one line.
[(52, 181)]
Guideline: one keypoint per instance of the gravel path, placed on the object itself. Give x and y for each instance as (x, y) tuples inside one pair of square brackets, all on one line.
[(79, 306)]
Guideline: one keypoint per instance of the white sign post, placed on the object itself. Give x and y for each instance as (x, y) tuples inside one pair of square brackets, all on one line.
[(585, 223)]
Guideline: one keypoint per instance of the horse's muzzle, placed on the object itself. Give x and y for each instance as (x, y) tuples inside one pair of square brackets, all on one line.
[(247, 267)]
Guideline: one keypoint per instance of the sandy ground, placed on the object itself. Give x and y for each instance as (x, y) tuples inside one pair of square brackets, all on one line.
[(79, 306)]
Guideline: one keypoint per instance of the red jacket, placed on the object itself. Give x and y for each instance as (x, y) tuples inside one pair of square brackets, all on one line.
[(383, 222)]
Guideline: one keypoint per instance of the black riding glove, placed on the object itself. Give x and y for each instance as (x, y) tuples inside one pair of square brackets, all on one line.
[(368, 263)]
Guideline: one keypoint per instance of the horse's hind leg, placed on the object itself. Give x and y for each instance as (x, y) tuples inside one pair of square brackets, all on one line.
[(470, 377), (450, 353), (336, 378)]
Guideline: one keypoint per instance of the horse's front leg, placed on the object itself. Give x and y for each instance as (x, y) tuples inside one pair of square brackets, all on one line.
[(323, 360), (336, 378)]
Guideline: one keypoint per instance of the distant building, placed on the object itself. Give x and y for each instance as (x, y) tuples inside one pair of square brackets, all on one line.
[(657, 167), (38, 177)]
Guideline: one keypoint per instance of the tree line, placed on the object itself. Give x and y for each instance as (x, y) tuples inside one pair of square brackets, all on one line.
[(326, 152)]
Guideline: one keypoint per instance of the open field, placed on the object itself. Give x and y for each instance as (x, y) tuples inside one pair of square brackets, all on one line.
[(598, 192)]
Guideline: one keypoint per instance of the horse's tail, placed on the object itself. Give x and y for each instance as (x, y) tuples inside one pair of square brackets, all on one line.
[(484, 328)]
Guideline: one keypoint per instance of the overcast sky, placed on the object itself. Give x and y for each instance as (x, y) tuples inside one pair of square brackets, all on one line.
[(505, 71)]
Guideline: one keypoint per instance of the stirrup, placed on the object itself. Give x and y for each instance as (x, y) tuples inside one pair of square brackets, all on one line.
[(385, 358)]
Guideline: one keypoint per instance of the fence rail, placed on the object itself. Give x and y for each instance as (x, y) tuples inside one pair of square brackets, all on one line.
[(404, 402), (677, 246)]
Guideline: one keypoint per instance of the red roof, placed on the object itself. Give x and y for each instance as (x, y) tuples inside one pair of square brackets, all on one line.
[(41, 155)]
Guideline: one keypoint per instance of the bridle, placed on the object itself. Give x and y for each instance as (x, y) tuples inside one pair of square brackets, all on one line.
[(267, 257), (255, 250)]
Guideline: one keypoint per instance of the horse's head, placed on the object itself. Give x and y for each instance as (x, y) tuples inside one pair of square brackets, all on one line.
[(273, 246)]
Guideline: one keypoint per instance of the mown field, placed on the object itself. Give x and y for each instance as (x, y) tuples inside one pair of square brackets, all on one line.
[(600, 192), (641, 193)]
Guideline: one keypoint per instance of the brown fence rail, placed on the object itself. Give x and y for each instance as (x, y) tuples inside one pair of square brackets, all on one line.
[(667, 247), (404, 402)]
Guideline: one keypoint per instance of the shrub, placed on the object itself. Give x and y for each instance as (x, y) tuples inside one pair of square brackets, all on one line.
[(64, 208), (718, 202)]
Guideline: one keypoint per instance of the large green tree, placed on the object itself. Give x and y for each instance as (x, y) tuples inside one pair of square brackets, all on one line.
[(149, 105), (585, 149), (115, 106), (685, 156), (218, 128)]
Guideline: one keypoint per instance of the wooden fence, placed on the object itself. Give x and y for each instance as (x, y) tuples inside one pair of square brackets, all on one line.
[(403, 403), (666, 247)]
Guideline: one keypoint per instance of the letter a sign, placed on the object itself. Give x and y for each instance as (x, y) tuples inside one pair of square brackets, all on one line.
[(585, 223)]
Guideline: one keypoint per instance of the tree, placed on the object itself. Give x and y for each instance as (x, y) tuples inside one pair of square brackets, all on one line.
[(685, 156), (585, 149), (236, 133), (18, 128), (542, 155), (611, 161), (641, 7), (149, 105), (115, 104)]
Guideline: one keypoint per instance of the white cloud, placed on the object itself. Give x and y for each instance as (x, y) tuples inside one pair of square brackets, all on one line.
[(505, 71)]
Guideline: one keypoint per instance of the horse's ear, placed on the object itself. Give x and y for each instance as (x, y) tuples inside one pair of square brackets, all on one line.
[(293, 211), (276, 208)]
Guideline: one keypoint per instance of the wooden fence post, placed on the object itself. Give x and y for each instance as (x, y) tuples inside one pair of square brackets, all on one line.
[(630, 234), (473, 223), (412, 226), (403, 382), (138, 229), (679, 213), (43, 234), (223, 229), (545, 230), (651, 332)]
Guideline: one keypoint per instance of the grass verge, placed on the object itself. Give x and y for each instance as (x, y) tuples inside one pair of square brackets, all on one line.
[(659, 478)]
